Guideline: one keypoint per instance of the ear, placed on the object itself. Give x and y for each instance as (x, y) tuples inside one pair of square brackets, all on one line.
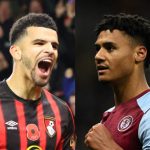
[(15, 52), (140, 53)]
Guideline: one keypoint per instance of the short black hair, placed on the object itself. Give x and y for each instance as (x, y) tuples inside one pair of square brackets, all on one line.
[(32, 19), (137, 27)]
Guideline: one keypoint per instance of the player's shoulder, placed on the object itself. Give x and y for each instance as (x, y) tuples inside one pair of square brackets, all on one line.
[(58, 101), (144, 129), (144, 104), (3, 88), (144, 101), (2, 83)]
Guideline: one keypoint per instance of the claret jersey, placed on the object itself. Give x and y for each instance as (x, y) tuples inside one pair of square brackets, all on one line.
[(43, 124), (129, 122)]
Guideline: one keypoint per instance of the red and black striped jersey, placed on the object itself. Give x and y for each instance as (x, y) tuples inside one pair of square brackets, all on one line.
[(43, 124)]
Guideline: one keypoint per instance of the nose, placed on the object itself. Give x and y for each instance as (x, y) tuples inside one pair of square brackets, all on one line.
[(100, 56)]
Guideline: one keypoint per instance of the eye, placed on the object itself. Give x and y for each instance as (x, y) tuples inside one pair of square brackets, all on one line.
[(55, 46), (109, 47), (97, 47), (39, 43)]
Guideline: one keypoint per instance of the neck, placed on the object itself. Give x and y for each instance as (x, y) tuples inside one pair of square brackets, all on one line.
[(23, 87), (129, 88)]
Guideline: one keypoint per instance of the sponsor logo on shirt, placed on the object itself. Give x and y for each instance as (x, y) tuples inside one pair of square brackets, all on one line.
[(125, 123), (34, 147), (33, 133), (50, 126), (11, 125)]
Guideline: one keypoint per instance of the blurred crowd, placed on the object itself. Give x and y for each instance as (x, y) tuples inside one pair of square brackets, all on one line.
[(62, 82)]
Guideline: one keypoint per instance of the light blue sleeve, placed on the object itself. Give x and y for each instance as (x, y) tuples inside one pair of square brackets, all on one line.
[(144, 131)]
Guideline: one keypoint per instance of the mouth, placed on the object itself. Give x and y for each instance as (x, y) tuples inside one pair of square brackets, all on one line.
[(44, 66), (102, 68)]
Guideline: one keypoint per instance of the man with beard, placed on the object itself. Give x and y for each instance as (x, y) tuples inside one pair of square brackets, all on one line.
[(30, 117), (123, 52)]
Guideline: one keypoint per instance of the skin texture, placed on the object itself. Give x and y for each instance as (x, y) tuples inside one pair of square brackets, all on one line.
[(120, 62), (38, 43), (114, 51), (123, 60)]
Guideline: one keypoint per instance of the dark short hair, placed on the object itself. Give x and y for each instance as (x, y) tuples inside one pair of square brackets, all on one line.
[(137, 27), (32, 19)]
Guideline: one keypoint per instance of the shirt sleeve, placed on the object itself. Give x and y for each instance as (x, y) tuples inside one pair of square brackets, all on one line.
[(144, 131), (69, 137)]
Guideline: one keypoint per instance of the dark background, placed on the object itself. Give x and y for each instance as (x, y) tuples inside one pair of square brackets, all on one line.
[(93, 98)]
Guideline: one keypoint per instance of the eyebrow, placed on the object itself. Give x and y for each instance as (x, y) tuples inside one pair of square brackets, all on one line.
[(106, 44), (109, 44)]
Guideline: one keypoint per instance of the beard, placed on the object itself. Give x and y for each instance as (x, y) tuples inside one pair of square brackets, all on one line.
[(33, 76), (37, 80)]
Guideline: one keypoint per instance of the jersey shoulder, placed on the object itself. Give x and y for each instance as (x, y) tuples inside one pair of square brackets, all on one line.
[(64, 109), (144, 102), (144, 125), (4, 92), (2, 85), (59, 102)]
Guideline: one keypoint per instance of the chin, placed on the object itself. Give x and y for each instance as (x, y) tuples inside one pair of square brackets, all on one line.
[(104, 79), (41, 83)]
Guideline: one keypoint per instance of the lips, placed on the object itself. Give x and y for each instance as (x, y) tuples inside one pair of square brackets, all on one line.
[(102, 67), (44, 67)]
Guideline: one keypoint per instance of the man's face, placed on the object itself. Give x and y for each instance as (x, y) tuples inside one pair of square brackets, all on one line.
[(39, 51), (115, 56)]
